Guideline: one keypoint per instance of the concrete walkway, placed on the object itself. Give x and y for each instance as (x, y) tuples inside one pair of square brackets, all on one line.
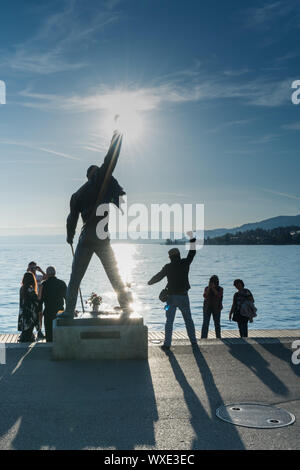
[(153, 335), (167, 402)]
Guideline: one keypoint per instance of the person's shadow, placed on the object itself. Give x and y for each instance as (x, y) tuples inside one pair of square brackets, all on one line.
[(75, 404), (211, 433), (284, 353), (254, 361)]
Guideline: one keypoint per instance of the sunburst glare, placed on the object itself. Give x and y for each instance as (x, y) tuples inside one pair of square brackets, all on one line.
[(127, 107)]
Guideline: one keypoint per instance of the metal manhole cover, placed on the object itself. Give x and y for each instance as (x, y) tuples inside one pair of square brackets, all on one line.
[(253, 415)]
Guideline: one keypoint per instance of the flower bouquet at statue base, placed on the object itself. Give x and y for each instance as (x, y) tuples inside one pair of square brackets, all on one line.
[(95, 301)]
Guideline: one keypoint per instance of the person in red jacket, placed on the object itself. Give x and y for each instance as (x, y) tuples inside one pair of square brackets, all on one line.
[(212, 306)]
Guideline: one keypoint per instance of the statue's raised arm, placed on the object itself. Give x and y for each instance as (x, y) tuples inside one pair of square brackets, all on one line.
[(109, 164)]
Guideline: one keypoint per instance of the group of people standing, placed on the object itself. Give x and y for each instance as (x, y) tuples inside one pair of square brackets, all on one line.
[(42, 295), (213, 305), (176, 296)]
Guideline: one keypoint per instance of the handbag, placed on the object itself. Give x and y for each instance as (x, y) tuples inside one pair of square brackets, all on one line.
[(163, 296), (248, 309)]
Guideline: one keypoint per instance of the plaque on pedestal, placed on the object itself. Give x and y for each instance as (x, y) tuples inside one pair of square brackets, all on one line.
[(108, 336)]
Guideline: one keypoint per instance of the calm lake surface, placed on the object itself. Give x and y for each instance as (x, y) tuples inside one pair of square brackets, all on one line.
[(272, 273)]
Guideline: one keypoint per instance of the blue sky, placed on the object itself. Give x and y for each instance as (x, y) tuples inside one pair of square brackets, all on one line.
[(211, 82)]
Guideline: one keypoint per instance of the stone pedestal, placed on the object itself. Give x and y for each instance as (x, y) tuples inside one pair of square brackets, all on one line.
[(106, 337)]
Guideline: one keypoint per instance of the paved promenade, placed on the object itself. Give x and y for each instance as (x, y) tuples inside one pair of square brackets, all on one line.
[(10, 338), (167, 402)]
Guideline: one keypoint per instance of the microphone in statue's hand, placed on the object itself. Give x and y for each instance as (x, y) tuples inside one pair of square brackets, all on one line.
[(70, 240), (117, 121)]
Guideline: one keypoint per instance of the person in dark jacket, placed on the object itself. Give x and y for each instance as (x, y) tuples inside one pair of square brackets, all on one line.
[(52, 295), (239, 297), (177, 273), (84, 202), (29, 308), (213, 296)]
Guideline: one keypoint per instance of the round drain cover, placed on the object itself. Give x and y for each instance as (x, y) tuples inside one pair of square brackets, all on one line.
[(253, 415), (155, 341)]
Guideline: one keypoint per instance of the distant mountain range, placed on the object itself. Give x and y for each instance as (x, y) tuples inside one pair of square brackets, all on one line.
[(267, 224)]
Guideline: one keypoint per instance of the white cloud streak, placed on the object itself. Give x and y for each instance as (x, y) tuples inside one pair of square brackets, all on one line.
[(240, 122), (277, 193), (266, 15), (293, 126), (265, 139), (39, 149), (255, 92)]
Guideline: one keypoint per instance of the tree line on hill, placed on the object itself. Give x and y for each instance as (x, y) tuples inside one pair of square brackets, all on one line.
[(276, 236)]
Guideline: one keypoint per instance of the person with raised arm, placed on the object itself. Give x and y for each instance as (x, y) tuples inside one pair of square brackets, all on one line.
[(177, 274)]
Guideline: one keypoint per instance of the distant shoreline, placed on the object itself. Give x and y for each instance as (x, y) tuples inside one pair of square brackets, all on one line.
[(280, 236)]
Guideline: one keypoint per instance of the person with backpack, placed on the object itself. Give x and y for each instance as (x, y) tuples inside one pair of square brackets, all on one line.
[(243, 309)]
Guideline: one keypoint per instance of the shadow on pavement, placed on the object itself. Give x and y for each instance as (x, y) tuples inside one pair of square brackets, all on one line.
[(210, 432), (75, 405), (254, 361), (283, 352)]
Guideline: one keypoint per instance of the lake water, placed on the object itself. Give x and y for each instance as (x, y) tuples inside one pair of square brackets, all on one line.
[(271, 272)]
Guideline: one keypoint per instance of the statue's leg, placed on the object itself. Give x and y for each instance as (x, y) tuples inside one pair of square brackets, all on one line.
[(81, 260), (107, 257)]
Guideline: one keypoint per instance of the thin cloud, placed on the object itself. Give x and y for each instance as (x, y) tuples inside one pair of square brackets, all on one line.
[(46, 52), (256, 92), (236, 72), (265, 139), (277, 193), (40, 149), (265, 16), (90, 148), (294, 126), (240, 122)]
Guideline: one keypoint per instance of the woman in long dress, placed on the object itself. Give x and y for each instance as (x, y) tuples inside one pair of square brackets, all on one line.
[(29, 307)]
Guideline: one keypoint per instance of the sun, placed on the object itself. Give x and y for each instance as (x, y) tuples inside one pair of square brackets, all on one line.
[(126, 106)]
